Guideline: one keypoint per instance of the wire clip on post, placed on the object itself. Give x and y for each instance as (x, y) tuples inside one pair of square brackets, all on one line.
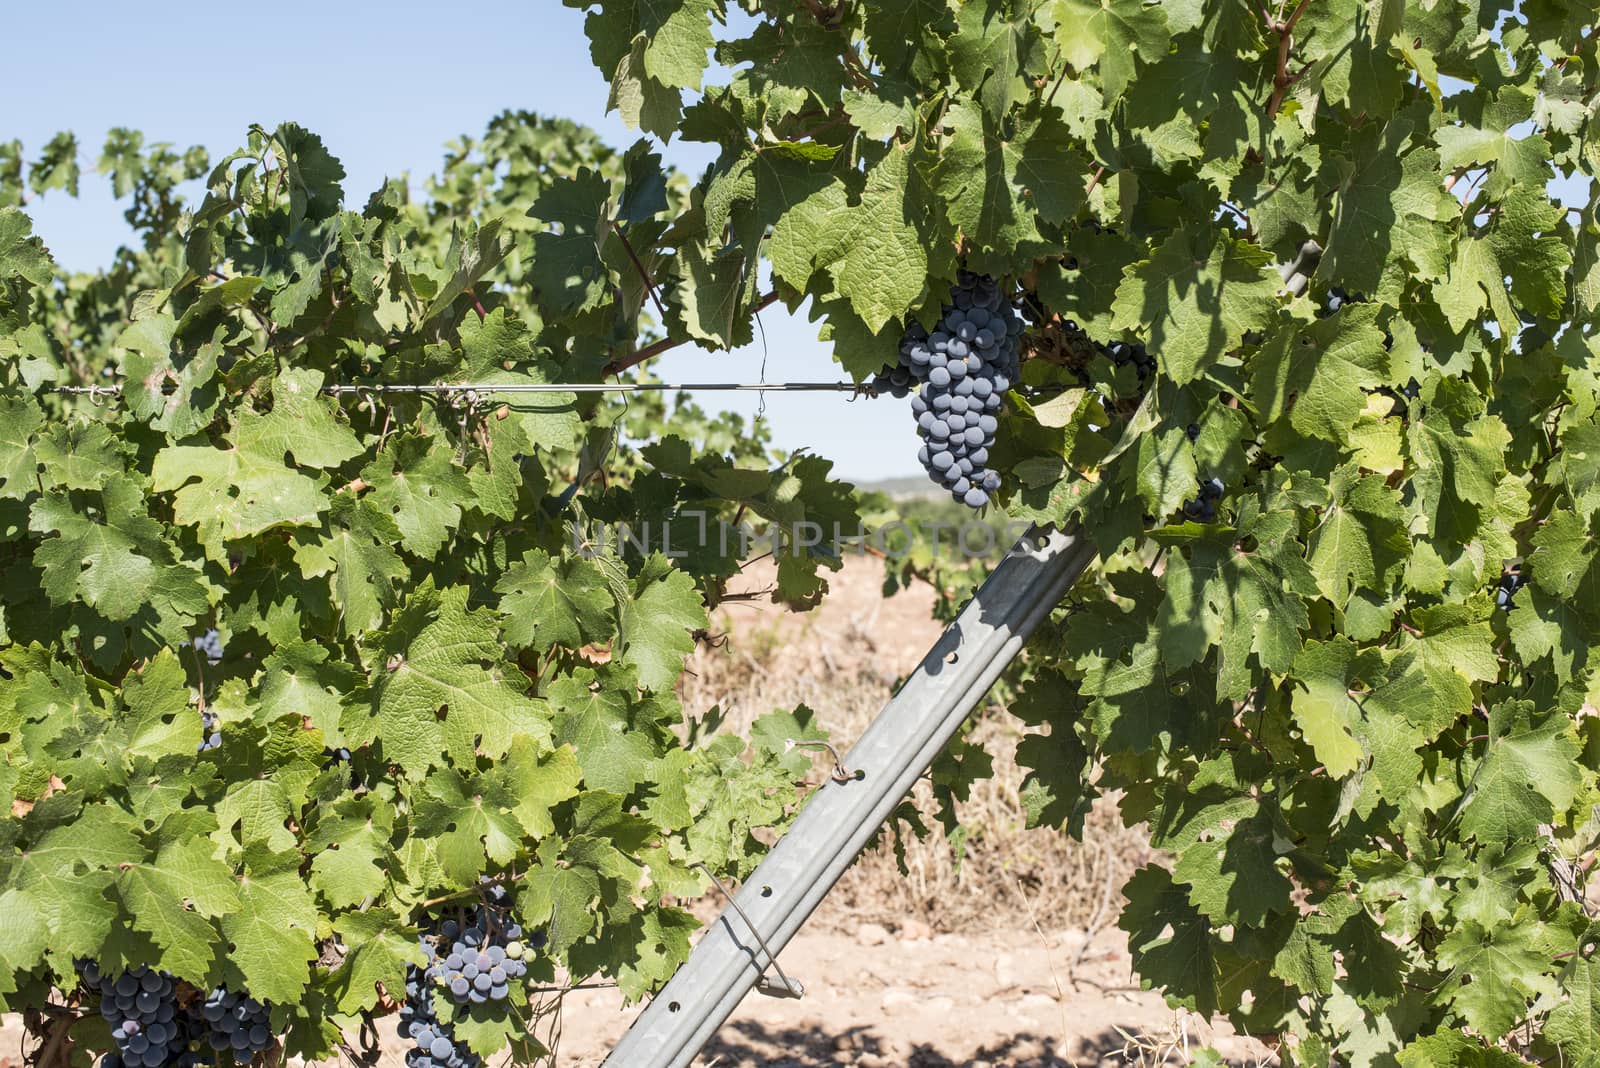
[(782, 986), (841, 818), (841, 774)]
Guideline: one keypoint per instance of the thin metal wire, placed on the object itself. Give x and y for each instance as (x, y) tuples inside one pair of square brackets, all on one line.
[(598, 387), (790, 987), (863, 389), (545, 387)]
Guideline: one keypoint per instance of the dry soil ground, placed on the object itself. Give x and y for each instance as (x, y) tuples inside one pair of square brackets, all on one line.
[(879, 999), (1011, 958)]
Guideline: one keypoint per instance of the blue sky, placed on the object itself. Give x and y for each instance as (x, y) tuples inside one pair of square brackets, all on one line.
[(386, 86)]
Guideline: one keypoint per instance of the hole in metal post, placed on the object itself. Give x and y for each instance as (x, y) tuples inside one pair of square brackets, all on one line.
[(952, 658), (672, 1006), (766, 891)]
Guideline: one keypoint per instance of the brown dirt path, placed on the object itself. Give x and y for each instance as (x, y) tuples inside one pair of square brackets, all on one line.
[(878, 1000)]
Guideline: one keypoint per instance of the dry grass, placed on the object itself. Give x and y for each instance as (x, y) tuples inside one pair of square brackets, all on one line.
[(842, 661)]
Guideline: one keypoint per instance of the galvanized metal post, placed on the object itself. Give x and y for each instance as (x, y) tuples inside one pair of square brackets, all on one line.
[(841, 818)]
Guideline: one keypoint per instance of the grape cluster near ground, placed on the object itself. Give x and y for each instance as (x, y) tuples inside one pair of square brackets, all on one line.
[(236, 1023), (153, 1028), (435, 1044), (962, 370), (482, 963), (480, 958), (141, 1008)]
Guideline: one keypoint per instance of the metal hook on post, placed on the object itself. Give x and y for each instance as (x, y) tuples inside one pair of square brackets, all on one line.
[(783, 986), (841, 774)]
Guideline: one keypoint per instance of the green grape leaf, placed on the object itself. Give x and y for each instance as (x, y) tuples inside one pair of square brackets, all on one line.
[(874, 255), (172, 388), (1232, 873), (1195, 298), (444, 686), (352, 864), (417, 481), (21, 254), (596, 722), (244, 489), (1391, 207), (1313, 377), (356, 550), (1247, 603), (1579, 465), (1555, 628), (897, 33), (20, 420), (676, 35), (1529, 774), (157, 718), (1170, 940), (272, 932), (300, 679), (999, 185), (1107, 35), (1512, 261), (1360, 540), (1452, 1049), (1574, 1024), (115, 560), (564, 601), (23, 938), (1327, 710), (659, 623), (1493, 973), (1519, 156), (173, 898), (1563, 562), (79, 456), (379, 947), (568, 270)]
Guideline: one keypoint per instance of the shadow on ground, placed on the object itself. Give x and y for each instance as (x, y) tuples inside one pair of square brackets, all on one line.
[(752, 1045)]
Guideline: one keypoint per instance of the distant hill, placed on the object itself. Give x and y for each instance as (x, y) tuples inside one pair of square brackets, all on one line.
[(908, 486)]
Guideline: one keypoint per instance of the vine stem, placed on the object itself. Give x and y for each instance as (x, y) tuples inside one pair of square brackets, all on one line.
[(1281, 78), (498, 880), (644, 275), (654, 349), (1099, 173)]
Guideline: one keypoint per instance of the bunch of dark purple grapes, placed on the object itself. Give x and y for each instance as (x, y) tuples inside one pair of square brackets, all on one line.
[(151, 1030), (482, 963), (436, 1045), (962, 370), (236, 1022), (481, 960), (141, 1006), (1204, 507), (209, 645), (1122, 353)]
